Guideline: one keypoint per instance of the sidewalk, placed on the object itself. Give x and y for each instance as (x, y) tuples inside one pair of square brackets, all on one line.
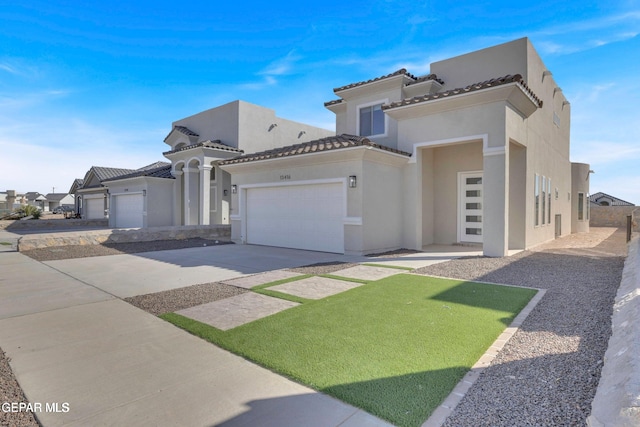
[(113, 364)]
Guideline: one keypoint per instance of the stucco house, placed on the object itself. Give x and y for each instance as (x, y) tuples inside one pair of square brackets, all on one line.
[(55, 200), (91, 195), (475, 152)]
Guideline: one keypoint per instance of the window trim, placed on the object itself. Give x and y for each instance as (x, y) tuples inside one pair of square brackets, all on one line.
[(386, 118), (536, 200)]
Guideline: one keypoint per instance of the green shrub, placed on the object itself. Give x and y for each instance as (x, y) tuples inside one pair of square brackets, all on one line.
[(28, 210)]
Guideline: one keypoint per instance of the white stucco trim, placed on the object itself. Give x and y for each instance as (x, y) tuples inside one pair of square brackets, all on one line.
[(452, 141)]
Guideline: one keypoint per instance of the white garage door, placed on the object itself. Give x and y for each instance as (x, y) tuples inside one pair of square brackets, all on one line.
[(297, 216), (94, 208), (128, 210)]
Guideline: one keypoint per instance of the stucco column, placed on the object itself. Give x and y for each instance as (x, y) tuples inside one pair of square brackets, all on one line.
[(495, 203), (413, 205), (205, 194), (190, 196), (177, 197)]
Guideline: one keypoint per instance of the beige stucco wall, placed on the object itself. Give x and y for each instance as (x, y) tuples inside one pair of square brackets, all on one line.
[(484, 64), (373, 220), (250, 127), (157, 204), (447, 162)]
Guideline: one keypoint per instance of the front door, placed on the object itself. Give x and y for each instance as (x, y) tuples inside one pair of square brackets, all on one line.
[(470, 216)]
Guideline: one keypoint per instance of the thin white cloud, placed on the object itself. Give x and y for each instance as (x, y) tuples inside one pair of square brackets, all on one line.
[(8, 68)]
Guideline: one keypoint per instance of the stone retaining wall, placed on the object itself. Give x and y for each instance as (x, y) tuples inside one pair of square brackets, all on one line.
[(614, 216), (617, 399), (97, 237), (52, 224)]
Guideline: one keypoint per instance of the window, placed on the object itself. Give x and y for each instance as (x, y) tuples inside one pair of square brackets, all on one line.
[(544, 200), (580, 206), (588, 207), (372, 120), (549, 204), (536, 206)]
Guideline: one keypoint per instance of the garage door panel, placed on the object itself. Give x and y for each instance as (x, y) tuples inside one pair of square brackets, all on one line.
[(128, 210), (297, 216), (94, 208)]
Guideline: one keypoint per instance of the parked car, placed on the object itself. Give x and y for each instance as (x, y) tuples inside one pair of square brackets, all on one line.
[(62, 209)]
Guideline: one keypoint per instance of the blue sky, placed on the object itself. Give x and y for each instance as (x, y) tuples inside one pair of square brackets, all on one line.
[(99, 83)]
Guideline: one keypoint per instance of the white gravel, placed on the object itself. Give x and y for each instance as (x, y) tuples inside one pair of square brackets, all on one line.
[(548, 372)]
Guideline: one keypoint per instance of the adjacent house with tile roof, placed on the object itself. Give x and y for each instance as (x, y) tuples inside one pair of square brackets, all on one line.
[(604, 199), (474, 152), (92, 195)]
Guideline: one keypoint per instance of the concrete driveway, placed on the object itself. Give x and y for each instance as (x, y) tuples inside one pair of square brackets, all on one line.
[(137, 274), (75, 346)]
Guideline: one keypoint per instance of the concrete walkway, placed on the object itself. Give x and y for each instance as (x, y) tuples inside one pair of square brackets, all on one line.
[(113, 364)]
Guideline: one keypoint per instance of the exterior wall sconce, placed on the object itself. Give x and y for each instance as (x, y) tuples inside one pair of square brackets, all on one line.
[(144, 193), (353, 181), (234, 189), (225, 192)]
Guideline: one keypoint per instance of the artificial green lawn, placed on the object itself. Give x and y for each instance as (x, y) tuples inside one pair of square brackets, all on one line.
[(395, 347)]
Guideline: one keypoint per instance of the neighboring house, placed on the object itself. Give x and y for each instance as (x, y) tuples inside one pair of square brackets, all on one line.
[(59, 199), (476, 152), (92, 196), (36, 199), (604, 199), (194, 190)]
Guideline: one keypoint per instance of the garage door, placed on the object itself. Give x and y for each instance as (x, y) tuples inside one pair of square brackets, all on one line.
[(297, 216), (128, 210), (94, 208)]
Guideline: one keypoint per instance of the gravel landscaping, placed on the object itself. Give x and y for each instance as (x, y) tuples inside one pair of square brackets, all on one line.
[(547, 374), (55, 253), (178, 299), (11, 392)]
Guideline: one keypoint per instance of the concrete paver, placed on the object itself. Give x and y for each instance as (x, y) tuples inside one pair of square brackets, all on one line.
[(367, 272), (235, 311), (315, 287), (249, 282)]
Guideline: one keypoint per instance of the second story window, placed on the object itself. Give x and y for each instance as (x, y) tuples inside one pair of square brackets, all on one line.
[(372, 120)]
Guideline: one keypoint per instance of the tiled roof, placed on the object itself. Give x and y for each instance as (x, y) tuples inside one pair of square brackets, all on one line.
[(324, 144), (56, 197), (32, 195), (104, 173), (400, 72), (333, 102), (207, 144), (517, 78), (185, 130), (154, 165), (163, 171), (614, 200), (425, 79)]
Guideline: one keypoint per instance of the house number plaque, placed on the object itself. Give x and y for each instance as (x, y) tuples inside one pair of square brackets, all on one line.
[(285, 177)]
